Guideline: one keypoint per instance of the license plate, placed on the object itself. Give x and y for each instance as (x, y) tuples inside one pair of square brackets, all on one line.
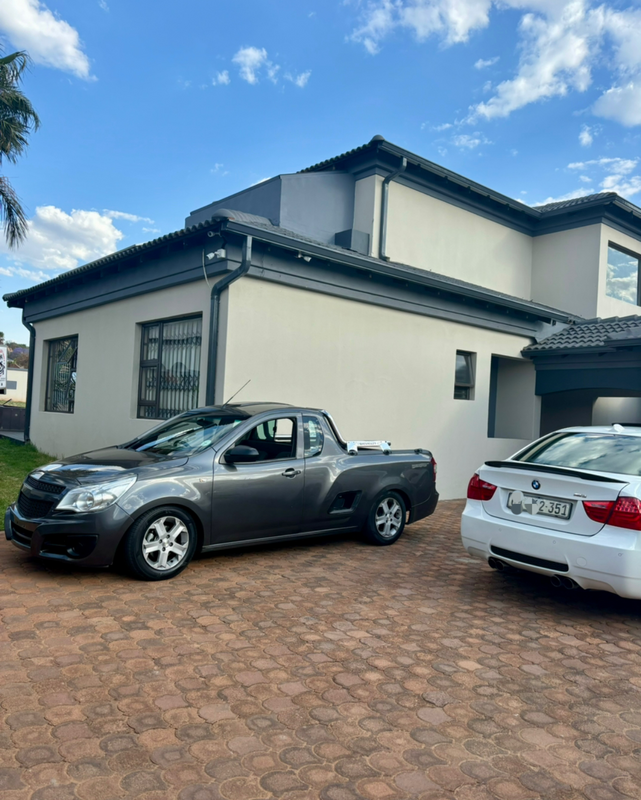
[(520, 503)]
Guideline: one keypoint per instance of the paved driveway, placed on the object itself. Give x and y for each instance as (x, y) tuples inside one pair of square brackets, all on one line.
[(327, 670)]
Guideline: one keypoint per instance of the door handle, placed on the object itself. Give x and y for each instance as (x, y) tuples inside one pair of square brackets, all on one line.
[(291, 473)]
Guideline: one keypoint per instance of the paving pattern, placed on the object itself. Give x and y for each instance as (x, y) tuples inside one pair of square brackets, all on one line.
[(329, 670)]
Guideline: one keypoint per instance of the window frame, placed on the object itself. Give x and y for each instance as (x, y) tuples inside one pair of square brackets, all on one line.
[(48, 399), (156, 363), (627, 252), (469, 387), (297, 431)]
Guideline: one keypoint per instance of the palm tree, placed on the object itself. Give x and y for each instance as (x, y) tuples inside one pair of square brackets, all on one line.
[(17, 119)]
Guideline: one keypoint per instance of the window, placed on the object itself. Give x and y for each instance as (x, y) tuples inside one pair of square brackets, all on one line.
[(61, 375), (169, 367), (622, 279), (313, 434), (274, 439), (187, 435), (600, 452), (464, 376)]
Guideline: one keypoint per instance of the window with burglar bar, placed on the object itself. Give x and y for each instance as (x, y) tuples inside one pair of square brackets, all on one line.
[(61, 375), (169, 367)]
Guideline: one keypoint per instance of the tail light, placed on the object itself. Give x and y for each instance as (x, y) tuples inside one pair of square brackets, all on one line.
[(624, 513), (598, 510), (480, 490), (434, 466)]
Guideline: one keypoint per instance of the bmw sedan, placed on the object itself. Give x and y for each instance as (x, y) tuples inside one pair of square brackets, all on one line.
[(567, 506)]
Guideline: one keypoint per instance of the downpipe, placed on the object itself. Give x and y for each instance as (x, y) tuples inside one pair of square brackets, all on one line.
[(214, 317), (382, 239), (32, 356)]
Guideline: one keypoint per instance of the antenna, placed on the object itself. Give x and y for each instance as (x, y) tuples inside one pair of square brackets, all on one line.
[(238, 392)]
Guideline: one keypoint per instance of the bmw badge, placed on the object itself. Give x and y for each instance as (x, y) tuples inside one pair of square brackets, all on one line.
[(536, 485)]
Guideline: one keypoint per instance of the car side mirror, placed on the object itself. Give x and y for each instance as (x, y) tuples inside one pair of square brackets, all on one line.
[(241, 454)]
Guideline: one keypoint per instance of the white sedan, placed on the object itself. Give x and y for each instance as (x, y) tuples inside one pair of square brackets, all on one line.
[(567, 506)]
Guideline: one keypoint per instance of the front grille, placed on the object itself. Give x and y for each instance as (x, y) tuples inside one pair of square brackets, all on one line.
[(33, 509), (43, 486), (21, 535), (557, 566)]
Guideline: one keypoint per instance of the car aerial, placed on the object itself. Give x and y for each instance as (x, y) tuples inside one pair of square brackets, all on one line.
[(567, 506), (214, 478)]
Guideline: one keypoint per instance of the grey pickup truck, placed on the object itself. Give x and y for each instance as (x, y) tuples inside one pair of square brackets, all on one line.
[(215, 478)]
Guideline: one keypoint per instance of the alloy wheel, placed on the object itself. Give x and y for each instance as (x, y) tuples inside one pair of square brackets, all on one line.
[(165, 543), (388, 518)]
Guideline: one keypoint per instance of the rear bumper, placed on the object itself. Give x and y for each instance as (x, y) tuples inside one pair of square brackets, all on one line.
[(425, 509), (609, 561), (85, 539)]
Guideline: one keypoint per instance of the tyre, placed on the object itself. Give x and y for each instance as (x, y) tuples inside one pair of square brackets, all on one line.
[(386, 519), (160, 544)]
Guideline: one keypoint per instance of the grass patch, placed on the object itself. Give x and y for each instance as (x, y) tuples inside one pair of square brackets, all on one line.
[(16, 462)]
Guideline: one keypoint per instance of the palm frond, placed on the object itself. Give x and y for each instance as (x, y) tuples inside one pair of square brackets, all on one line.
[(13, 218)]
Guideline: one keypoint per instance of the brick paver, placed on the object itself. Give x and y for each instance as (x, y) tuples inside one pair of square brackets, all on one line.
[(329, 670)]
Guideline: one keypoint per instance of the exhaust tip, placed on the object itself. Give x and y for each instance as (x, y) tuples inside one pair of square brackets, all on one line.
[(494, 563), (556, 581), (568, 583)]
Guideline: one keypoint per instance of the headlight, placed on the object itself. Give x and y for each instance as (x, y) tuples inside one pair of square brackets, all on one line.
[(96, 497)]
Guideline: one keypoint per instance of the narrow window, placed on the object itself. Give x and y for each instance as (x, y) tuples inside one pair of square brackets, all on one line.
[(622, 279), (464, 376), (169, 367), (61, 375), (313, 434)]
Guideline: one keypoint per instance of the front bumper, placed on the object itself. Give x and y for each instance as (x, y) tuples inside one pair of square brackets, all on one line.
[(610, 560), (87, 539)]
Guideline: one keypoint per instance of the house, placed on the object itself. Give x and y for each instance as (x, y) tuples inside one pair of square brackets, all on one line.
[(411, 302)]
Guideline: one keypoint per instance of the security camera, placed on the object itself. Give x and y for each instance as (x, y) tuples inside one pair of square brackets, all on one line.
[(307, 258), (222, 253)]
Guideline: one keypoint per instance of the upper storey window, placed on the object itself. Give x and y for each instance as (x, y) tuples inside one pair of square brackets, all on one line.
[(622, 280)]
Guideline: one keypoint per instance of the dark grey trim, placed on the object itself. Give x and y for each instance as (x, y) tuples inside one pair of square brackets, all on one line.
[(494, 384), (610, 374)]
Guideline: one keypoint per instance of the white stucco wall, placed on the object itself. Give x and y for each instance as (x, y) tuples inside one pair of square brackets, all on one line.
[(367, 205), (381, 373), (434, 235), (19, 376), (611, 306), (565, 270), (108, 362)]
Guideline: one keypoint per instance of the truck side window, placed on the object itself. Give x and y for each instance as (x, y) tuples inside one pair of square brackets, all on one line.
[(313, 434)]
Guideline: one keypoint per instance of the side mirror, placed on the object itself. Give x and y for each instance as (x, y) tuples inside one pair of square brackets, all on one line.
[(241, 454)]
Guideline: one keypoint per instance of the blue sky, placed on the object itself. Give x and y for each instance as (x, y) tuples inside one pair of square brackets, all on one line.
[(150, 110)]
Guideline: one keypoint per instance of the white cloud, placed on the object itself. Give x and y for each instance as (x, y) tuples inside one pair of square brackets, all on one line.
[(560, 42), (299, 80), (103, 5), (51, 41), (128, 217), (60, 241), (151, 230), (620, 175), (586, 137), (221, 78), (469, 142), (250, 60), (484, 63), (444, 127)]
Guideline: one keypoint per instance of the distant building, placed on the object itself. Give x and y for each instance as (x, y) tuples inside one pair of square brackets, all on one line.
[(411, 302)]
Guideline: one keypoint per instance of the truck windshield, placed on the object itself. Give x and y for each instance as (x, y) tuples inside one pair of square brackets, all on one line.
[(599, 452), (186, 435)]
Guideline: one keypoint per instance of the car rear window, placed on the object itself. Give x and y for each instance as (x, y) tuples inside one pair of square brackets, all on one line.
[(597, 452)]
